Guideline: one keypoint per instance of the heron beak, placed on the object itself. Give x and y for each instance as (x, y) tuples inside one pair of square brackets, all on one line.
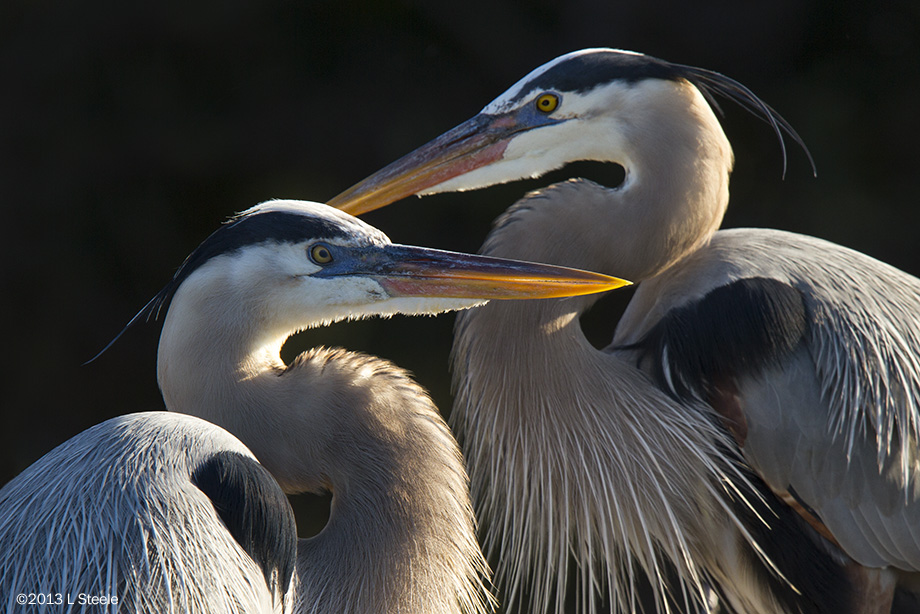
[(414, 271), (476, 142)]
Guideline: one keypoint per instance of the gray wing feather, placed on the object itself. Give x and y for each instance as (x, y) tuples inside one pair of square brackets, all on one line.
[(864, 509), (839, 422), (112, 512)]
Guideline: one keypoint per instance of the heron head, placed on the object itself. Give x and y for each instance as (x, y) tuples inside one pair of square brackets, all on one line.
[(284, 266), (595, 104)]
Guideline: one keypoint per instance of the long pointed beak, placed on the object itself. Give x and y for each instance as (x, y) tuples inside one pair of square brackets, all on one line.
[(476, 142), (415, 271)]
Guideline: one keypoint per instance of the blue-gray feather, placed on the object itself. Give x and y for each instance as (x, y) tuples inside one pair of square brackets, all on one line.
[(837, 421), (111, 513)]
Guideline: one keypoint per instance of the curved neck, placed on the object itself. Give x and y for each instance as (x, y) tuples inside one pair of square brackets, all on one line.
[(402, 531), (677, 162), (561, 436), (401, 535)]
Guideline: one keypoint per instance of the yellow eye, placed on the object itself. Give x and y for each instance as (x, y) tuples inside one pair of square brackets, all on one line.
[(547, 103), (320, 254)]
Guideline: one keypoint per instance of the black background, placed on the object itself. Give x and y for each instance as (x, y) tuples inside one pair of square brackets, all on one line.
[(129, 131)]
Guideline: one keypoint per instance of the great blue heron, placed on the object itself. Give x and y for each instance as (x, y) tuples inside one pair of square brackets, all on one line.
[(754, 422), (132, 508)]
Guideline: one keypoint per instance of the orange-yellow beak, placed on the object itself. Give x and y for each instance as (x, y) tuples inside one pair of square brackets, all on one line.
[(471, 145), (474, 143), (415, 271)]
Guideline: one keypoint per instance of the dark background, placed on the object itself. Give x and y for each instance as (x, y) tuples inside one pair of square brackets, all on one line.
[(129, 131)]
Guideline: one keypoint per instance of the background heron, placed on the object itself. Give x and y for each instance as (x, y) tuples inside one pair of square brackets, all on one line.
[(123, 509), (795, 355)]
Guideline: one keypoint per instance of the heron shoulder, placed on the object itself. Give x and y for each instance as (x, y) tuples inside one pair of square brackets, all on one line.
[(835, 419), (125, 490), (734, 330)]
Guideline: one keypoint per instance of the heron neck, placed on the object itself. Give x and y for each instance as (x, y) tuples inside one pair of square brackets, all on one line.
[(401, 535), (404, 527), (522, 363), (212, 364), (678, 161), (557, 432), (573, 450)]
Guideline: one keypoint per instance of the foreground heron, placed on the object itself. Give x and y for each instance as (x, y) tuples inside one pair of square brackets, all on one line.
[(148, 512), (754, 424), (169, 513)]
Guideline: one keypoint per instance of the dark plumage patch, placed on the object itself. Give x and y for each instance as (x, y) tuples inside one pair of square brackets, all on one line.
[(905, 602), (240, 232), (243, 231), (821, 584), (255, 511), (735, 330), (586, 71), (700, 350)]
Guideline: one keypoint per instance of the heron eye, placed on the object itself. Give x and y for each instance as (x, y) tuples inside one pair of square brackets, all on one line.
[(547, 103), (320, 254)]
